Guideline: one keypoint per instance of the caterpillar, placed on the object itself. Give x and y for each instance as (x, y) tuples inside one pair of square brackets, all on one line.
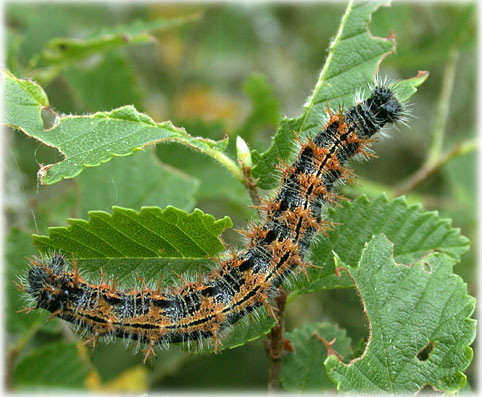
[(276, 247)]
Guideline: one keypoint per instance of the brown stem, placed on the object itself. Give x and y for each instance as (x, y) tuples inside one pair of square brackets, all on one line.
[(328, 345), (275, 347), (250, 184)]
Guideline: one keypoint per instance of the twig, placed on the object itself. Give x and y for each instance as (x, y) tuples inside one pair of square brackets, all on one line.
[(328, 345), (250, 184), (275, 347), (226, 162), (430, 169)]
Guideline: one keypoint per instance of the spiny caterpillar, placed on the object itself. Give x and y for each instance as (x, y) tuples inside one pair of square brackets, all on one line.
[(275, 248)]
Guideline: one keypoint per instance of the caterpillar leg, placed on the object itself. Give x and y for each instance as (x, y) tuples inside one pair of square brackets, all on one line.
[(149, 352)]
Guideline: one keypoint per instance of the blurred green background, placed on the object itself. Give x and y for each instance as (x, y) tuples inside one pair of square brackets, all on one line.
[(206, 75)]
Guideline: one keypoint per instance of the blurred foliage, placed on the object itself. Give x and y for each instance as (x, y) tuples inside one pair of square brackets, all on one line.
[(200, 75)]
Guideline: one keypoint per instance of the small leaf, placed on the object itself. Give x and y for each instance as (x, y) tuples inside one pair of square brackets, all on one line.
[(89, 140), (61, 51), (303, 370), (408, 308), (413, 231), (54, 366), (353, 59), (406, 88)]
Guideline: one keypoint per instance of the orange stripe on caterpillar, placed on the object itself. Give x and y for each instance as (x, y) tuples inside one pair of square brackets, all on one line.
[(246, 280)]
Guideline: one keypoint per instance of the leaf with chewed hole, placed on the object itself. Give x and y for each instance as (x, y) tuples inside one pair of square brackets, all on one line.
[(54, 366), (413, 231), (353, 59), (149, 242), (93, 139), (408, 307), (303, 370)]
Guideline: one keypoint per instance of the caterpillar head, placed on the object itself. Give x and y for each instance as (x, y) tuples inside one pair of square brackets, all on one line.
[(46, 284), (388, 107)]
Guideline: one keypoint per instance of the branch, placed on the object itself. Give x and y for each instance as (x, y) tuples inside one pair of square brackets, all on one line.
[(275, 347)]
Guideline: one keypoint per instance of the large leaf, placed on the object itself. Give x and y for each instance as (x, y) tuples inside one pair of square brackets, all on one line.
[(413, 231), (54, 366), (352, 61), (420, 326), (150, 242), (88, 140), (303, 369), (66, 50)]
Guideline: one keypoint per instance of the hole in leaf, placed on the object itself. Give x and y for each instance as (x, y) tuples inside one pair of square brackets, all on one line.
[(429, 390), (427, 267), (344, 308), (49, 118), (424, 353)]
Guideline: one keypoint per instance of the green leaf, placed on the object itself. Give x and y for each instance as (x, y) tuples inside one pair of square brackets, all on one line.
[(54, 366), (264, 103), (150, 233), (303, 370), (136, 181), (413, 231), (353, 59), (404, 89), (89, 140), (61, 51), (148, 243), (420, 326)]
